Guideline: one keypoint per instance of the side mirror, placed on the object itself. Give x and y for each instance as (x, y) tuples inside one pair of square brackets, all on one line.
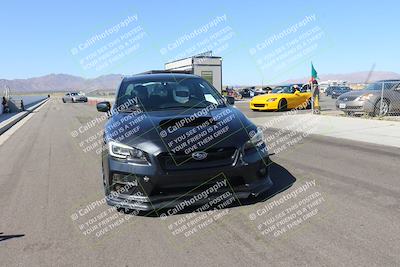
[(103, 106), (230, 100)]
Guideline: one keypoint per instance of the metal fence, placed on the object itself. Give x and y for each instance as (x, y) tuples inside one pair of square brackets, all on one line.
[(388, 100), (378, 99)]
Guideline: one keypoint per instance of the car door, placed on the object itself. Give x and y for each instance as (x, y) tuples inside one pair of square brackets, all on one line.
[(295, 99), (305, 93), (393, 94)]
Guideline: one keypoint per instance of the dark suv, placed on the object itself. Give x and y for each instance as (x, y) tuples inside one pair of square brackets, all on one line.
[(172, 141), (335, 93)]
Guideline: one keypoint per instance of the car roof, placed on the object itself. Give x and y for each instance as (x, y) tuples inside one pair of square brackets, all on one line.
[(291, 84), (159, 76), (390, 80)]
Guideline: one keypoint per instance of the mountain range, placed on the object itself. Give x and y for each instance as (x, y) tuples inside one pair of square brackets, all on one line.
[(65, 82), (62, 82), (354, 77)]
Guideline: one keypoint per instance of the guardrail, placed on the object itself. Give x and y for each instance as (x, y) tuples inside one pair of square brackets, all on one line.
[(95, 100), (7, 124)]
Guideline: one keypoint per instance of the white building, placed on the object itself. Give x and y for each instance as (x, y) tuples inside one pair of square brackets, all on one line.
[(204, 65)]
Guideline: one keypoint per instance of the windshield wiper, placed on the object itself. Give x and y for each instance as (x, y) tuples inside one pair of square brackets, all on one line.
[(131, 109), (181, 107)]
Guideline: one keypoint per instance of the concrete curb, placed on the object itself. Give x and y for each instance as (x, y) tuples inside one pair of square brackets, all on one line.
[(370, 131), (5, 125), (95, 100)]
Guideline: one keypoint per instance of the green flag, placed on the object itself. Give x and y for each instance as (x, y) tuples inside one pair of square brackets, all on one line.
[(314, 74)]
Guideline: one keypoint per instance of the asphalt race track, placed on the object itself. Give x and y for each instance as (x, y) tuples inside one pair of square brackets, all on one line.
[(346, 196)]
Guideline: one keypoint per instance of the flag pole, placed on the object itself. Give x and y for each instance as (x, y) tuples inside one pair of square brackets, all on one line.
[(312, 97)]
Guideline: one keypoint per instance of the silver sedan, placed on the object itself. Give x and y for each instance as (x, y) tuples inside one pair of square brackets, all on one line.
[(74, 97), (377, 99)]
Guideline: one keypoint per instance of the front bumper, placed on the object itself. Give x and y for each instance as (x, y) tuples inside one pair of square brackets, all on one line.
[(81, 99), (156, 189), (355, 106), (264, 105)]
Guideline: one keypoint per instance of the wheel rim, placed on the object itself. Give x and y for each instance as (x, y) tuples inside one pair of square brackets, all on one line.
[(383, 108)]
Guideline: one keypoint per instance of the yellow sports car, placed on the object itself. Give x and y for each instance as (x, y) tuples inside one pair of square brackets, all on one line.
[(283, 98)]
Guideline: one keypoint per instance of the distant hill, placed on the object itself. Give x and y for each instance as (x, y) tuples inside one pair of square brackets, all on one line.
[(354, 77), (65, 82), (61, 82)]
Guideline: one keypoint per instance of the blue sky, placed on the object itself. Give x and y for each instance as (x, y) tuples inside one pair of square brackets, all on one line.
[(37, 36)]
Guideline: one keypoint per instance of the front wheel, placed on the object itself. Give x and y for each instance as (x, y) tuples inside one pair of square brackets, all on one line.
[(381, 108), (282, 105), (309, 104)]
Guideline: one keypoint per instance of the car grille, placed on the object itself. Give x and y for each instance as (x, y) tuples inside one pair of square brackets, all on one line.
[(259, 105), (216, 157)]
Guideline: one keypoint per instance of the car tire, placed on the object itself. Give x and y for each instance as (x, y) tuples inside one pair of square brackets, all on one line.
[(309, 104), (282, 105), (63, 100), (385, 108)]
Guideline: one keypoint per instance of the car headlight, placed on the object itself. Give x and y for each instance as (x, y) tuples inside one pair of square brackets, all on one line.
[(122, 151), (256, 139), (364, 97), (271, 99)]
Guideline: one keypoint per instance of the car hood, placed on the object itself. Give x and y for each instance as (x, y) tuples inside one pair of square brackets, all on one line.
[(156, 131), (357, 93)]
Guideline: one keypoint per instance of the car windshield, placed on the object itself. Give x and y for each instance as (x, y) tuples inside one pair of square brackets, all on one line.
[(283, 90), (341, 89), (168, 94)]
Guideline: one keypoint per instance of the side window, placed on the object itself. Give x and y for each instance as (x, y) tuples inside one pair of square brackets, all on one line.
[(129, 89), (67, 94), (392, 86), (387, 86)]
